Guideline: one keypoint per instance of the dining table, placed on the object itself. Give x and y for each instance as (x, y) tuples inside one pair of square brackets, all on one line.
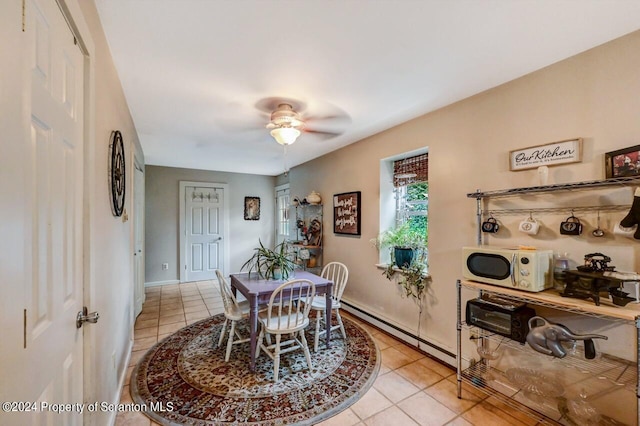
[(258, 290)]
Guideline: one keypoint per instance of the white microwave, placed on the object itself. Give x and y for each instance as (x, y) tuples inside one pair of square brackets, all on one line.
[(528, 270)]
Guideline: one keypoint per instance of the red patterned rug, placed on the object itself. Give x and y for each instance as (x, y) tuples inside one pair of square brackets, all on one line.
[(184, 379)]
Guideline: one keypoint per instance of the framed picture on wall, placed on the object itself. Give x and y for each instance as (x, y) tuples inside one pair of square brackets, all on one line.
[(623, 162), (346, 213), (251, 208)]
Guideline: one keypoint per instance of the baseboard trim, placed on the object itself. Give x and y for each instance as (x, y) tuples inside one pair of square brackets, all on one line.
[(158, 283), (121, 382), (430, 348)]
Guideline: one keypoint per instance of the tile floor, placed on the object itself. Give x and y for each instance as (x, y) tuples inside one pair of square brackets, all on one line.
[(411, 388)]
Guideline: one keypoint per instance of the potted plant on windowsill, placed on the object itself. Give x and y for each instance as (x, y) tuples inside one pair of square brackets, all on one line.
[(404, 242), (271, 264)]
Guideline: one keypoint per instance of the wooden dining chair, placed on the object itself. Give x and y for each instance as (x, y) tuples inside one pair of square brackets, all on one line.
[(339, 274), (285, 315), (234, 311)]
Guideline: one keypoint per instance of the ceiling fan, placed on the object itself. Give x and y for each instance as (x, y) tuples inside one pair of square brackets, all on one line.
[(287, 120)]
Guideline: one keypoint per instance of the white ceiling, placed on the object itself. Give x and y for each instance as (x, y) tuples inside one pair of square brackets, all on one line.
[(194, 71)]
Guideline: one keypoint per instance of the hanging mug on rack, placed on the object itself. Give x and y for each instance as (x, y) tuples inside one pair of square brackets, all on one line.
[(529, 226), (571, 226), (490, 225)]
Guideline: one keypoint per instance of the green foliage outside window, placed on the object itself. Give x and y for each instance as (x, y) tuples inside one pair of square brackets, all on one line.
[(417, 200)]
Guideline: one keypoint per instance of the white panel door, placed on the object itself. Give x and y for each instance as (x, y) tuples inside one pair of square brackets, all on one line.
[(52, 353), (138, 254), (204, 231)]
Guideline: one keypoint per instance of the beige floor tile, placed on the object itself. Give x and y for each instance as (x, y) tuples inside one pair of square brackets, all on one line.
[(216, 310), (125, 395), (393, 358), (193, 321), (153, 309), (132, 419), (419, 375), (146, 323), (186, 299), (371, 403), (147, 315), (135, 357), (446, 393), (127, 377), (198, 315), (172, 303), (383, 370), (438, 367), (394, 387), (195, 307), (171, 312), (487, 414), (171, 328), (385, 338), (148, 302), (391, 416), (425, 410), (146, 332), (161, 337), (171, 319), (410, 351), (344, 418), (459, 421), (523, 414), (144, 343)]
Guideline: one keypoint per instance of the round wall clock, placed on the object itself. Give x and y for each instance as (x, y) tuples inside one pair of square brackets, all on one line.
[(117, 173)]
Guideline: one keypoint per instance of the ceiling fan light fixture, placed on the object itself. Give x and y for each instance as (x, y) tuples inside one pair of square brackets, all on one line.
[(285, 135)]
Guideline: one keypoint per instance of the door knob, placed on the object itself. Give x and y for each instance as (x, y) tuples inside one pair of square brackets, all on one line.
[(83, 317)]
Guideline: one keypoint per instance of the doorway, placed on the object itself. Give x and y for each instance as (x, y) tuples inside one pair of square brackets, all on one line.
[(203, 230), (138, 244)]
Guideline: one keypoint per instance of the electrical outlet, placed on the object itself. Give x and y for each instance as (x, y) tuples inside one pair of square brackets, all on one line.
[(165, 266)]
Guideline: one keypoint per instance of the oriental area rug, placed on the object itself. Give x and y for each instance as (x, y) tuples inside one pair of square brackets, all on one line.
[(184, 380)]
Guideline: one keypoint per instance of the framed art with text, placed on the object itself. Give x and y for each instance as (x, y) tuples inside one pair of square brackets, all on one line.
[(551, 154), (346, 213)]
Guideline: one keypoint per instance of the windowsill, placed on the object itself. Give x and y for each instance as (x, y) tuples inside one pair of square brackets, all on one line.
[(396, 269)]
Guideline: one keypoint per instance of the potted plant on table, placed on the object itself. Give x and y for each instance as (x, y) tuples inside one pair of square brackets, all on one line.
[(271, 264)]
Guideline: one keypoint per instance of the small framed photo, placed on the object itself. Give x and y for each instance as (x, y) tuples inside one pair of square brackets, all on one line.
[(623, 162), (251, 208)]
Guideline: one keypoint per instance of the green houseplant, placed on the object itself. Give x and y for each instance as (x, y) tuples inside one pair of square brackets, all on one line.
[(403, 241), (271, 264)]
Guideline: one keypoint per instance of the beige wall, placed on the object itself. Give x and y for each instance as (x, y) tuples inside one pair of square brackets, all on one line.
[(109, 255), (593, 95), (162, 217)]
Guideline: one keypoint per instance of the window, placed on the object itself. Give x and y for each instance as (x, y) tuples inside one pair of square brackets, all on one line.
[(411, 189), (282, 213), (404, 194)]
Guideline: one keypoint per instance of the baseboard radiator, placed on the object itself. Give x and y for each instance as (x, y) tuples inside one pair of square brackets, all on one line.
[(420, 343)]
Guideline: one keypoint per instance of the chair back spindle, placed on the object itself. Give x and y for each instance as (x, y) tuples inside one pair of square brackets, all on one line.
[(285, 306)]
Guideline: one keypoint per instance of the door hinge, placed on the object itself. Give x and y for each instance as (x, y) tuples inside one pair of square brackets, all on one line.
[(24, 7), (24, 321)]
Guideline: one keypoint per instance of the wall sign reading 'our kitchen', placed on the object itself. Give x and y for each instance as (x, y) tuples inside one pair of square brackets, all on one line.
[(551, 154), (346, 213)]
